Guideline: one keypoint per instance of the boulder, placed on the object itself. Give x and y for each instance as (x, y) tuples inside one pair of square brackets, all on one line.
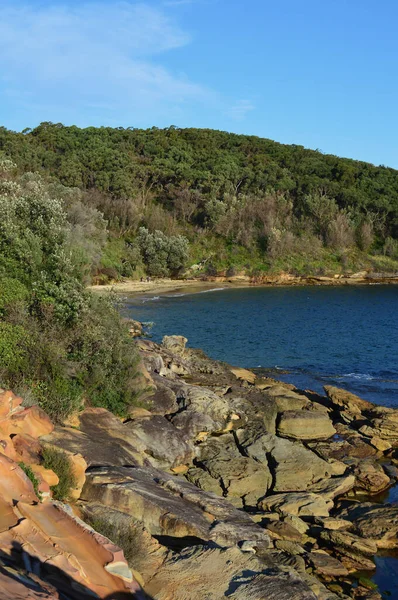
[(170, 506), (294, 467), (344, 400), (244, 375), (305, 425), (370, 477), (375, 522), (354, 552), (331, 488), (200, 410), (165, 446), (286, 399), (326, 565), (175, 344), (303, 504), (213, 574)]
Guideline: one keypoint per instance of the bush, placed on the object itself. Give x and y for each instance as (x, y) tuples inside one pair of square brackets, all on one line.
[(14, 343), (30, 474), (162, 255), (59, 462), (12, 293)]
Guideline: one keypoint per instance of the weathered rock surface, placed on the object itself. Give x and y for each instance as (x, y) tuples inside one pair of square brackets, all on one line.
[(169, 506), (304, 504), (214, 574), (305, 425), (47, 540), (375, 522), (346, 401), (294, 467)]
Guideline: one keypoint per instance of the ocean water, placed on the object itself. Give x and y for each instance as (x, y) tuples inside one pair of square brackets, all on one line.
[(309, 336)]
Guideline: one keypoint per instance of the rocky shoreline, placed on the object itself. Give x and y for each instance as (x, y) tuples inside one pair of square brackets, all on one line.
[(195, 284), (222, 485)]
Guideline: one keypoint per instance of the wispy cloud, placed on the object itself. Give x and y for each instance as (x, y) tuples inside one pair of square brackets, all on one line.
[(97, 56), (178, 2), (240, 109)]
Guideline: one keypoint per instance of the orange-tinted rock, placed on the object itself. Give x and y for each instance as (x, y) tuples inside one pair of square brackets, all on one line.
[(31, 421), (8, 518), (80, 553), (27, 448), (14, 484), (46, 475), (9, 403), (7, 448)]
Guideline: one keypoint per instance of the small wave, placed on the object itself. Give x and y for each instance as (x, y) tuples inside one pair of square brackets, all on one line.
[(211, 290), (176, 295), (363, 376), (150, 299)]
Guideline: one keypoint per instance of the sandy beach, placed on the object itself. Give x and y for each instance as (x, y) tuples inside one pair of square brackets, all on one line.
[(132, 287)]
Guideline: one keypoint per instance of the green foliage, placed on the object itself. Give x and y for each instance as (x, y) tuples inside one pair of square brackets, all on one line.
[(14, 343), (27, 469), (59, 344), (253, 195), (12, 293), (162, 255), (60, 463)]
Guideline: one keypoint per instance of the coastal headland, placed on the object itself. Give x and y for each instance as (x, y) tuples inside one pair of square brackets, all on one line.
[(217, 484)]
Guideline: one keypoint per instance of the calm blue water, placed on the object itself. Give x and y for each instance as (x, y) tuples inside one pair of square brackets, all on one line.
[(320, 335)]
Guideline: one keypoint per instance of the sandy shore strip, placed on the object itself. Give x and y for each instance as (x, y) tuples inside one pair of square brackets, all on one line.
[(163, 286)]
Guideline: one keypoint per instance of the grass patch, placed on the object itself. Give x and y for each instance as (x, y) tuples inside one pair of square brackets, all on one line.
[(29, 473), (60, 463)]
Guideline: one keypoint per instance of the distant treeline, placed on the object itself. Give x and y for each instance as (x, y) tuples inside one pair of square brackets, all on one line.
[(241, 201)]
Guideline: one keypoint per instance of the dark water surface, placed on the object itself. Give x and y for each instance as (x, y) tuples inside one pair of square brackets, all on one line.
[(320, 335)]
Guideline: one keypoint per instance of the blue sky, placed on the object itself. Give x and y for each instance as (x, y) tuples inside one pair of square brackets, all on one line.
[(320, 74)]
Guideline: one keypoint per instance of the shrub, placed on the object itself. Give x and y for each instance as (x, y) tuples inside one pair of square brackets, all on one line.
[(14, 343), (162, 255), (127, 538), (29, 473), (59, 462), (12, 292)]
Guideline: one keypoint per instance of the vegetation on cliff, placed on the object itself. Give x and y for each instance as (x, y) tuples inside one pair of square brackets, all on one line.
[(59, 345), (242, 202)]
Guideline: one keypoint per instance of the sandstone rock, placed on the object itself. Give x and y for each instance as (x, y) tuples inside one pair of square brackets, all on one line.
[(375, 522), (175, 344), (166, 505), (294, 467), (347, 401), (305, 425), (244, 375), (343, 540), (201, 410), (335, 524), (379, 444), (282, 530), (213, 574), (331, 488), (298, 504), (371, 477), (102, 440), (162, 400), (324, 564), (164, 445), (286, 399), (30, 421), (241, 479)]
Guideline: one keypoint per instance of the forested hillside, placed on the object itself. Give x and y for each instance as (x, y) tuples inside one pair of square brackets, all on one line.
[(173, 197)]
